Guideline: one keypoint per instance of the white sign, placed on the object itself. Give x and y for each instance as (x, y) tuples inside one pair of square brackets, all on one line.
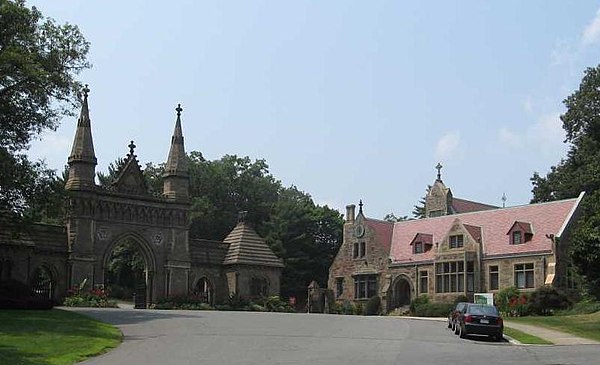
[(484, 298)]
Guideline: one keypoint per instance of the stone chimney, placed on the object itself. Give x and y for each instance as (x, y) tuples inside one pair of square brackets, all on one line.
[(350, 213)]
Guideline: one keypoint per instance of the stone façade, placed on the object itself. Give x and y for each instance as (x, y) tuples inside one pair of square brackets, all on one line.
[(426, 256), (98, 218)]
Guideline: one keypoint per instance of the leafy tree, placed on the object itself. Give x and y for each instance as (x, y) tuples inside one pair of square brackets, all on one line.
[(391, 217), (125, 268), (39, 60), (580, 171)]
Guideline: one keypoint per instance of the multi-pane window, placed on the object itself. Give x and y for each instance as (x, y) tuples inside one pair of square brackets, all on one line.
[(494, 284), (450, 277), (435, 213), (517, 239), (418, 247), (359, 250), (423, 282), (524, 276), (365, 286), (470, 276), (456, 241), (339, 287)]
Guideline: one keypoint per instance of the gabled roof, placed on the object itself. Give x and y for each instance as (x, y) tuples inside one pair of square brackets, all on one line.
[(465, 206), (383, 231), (474, 231), (248, 248), (523, 226), (130, 178), (423, 237), (492, 225)]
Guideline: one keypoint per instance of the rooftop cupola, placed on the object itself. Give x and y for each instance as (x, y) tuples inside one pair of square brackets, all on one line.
[(82, 161)]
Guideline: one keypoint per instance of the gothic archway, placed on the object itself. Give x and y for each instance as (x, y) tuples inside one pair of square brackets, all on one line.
[(128, 268), (205, 289), (43, 281), (400, 292)]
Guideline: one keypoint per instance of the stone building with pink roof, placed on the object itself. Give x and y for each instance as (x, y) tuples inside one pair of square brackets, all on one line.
[(460, 248)]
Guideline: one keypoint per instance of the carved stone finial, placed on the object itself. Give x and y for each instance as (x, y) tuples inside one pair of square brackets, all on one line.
[(131, 148), (85, 91), (439, 169), (360, 205), (179, 109), (504, 200)]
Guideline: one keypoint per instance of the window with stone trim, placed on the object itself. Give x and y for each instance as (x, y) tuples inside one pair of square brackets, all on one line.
[(435, 213), (456, 241), (494, 277), (359, 250), (339, 287), (424, 282), (450, 277), (355, 250), (470, 276), (524, 276), (365, 286)]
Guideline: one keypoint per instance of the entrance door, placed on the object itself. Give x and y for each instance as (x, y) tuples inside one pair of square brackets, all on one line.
[(401, 293)]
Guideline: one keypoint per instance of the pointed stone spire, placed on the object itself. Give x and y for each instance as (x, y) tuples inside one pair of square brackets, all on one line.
[(82, 161), (176, 181)]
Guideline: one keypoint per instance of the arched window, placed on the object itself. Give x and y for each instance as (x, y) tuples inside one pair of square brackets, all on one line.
[(259, 287), (204, 289), (42, 282)]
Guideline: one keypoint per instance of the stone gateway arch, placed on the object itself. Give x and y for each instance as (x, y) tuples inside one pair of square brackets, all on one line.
[(100, 217)]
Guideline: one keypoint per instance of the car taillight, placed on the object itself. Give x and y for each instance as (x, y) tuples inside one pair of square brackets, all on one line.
[(468, 319), (499, 322)]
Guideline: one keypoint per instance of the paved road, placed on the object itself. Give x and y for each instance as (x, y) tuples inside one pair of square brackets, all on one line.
[(206, 337)]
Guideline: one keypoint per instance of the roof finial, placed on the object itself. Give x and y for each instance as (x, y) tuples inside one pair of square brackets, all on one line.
[(85, 91), (439, 168), (360, 205), (503, 200), (131, 148), (179, 109), (242, 215)]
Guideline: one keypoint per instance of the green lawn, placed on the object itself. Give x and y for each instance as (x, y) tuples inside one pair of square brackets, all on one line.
[(582, 325), (52, 337), (523, 337)]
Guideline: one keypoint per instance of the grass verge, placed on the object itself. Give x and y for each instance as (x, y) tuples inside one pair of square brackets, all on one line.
[(582, 325), (52, 337), (526, 338)]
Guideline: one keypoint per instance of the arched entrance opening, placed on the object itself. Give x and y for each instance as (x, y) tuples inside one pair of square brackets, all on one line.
[(43, 282), (401, 293), (205, 290), (128, 271)]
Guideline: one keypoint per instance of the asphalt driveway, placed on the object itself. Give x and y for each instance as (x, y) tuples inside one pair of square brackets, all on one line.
[(210, 337)]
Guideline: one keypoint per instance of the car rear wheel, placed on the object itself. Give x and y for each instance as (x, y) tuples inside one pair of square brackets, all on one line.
[(456, 328), (449, 324), (462, 332)]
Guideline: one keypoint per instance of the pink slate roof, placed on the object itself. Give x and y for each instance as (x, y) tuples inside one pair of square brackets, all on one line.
[(383, 231), (466, 206), (545, 218)]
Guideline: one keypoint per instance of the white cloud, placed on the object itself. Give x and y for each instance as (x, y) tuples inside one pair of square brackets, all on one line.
[(591, 33), (545, 135), (447, 146), (528, 104)]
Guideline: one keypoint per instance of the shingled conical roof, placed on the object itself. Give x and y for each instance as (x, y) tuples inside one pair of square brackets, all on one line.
[(246, 247), (83, 145)]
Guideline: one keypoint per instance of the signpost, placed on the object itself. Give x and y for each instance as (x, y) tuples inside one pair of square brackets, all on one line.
[(484, 298)]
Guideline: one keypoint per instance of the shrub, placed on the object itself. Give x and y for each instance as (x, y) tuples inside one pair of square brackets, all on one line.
[(276, 304), (433, 309), (588, 304), (418, 301), (187, 302), (461, 299), (358, 309), (347, 307), (373, 306), (546, 299), (512, 303), (97, 297)]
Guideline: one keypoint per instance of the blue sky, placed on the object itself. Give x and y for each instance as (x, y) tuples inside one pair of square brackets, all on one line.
[(347, 100)]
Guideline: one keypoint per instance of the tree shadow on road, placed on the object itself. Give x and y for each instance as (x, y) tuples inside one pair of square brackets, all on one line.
[(131, 316)]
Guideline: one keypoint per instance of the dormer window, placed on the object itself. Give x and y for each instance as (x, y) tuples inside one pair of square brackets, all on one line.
[(456, 241), (421, 243), (520, 233)]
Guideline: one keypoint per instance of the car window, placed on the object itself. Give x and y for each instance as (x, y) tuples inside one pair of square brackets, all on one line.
[(483, 310)]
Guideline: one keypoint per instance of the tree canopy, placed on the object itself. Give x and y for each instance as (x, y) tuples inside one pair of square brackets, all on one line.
[(39, 60), (580, 171)]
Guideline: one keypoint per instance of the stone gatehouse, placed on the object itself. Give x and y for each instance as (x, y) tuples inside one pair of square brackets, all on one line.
[(461, 247), (98, 218)]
